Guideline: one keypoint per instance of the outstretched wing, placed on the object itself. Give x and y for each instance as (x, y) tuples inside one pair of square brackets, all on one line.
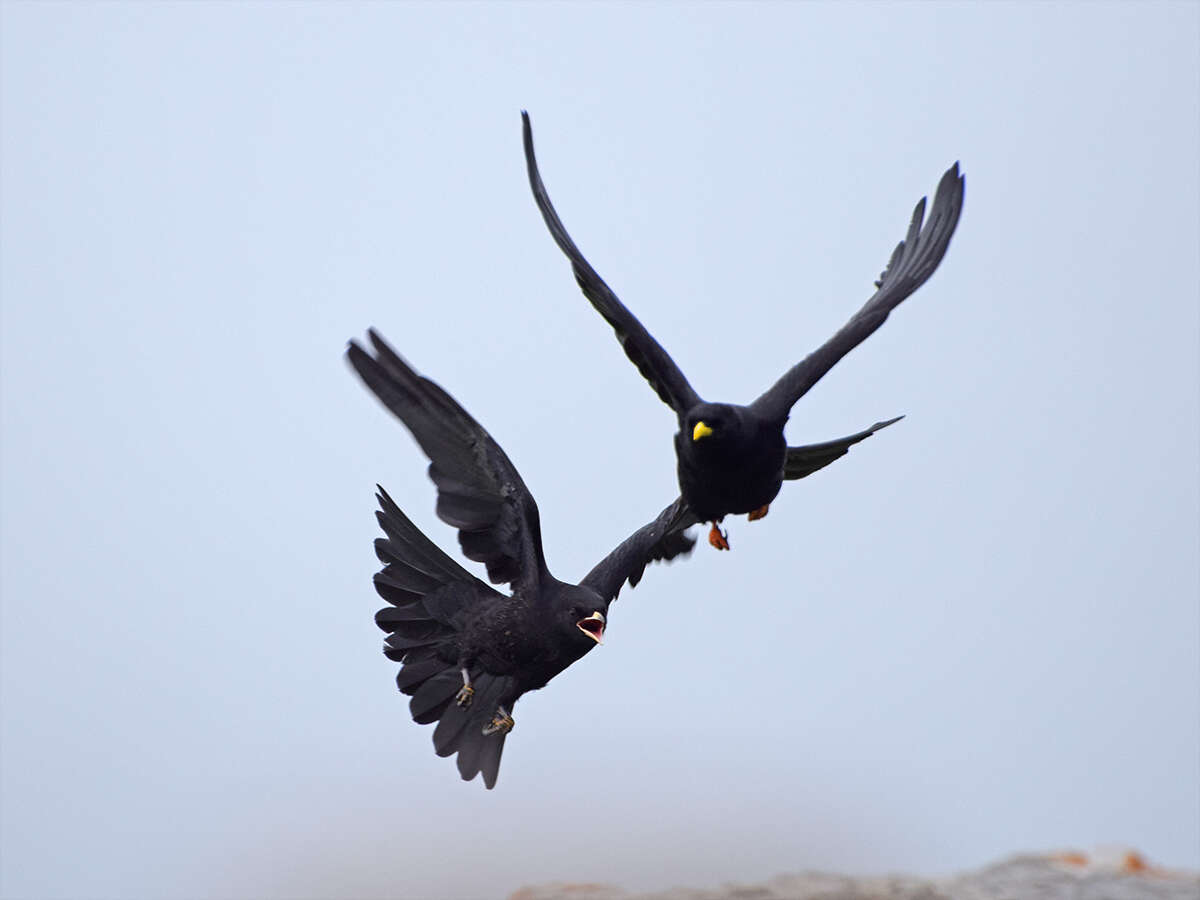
[(646, 353), (913, 261), (660, 540), (802, 461), (479, 490), (431, 598)]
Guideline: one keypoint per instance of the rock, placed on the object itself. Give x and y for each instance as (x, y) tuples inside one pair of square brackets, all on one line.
[(1112, 875)]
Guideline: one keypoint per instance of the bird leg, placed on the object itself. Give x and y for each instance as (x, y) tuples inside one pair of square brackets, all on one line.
[(718, 538), (464, 696), (502, 723), (755, 515)]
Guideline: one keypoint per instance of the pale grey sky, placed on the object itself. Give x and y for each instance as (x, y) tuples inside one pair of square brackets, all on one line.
[(976, 634)]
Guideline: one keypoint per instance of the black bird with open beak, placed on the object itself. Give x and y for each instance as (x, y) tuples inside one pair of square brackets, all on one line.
[(734, 459), (468, 652)]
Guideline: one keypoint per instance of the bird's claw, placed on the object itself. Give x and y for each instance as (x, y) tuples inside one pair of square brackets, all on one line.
[(501, 723), (465, 695), (718, 538), (755, 515)]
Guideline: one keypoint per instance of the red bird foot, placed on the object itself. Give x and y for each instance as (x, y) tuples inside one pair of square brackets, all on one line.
[(758, 513), (718, 538)]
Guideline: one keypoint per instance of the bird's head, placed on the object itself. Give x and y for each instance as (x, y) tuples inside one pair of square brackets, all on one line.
[(712, 424), (584, 619)]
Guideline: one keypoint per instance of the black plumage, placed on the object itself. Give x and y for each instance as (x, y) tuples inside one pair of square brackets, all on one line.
[(734, 459), (467, 651)]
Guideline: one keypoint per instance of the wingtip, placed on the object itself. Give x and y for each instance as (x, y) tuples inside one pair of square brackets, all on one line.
[(356, 349), (358, 358), (388, 358), (527, 140), (953, 176), (884, 424)]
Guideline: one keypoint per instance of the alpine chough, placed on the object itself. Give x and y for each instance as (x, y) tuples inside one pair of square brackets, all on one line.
[(733, 459), (467, 651)]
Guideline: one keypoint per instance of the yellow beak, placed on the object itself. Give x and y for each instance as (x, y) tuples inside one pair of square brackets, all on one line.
[(701, 430), (593, 626)]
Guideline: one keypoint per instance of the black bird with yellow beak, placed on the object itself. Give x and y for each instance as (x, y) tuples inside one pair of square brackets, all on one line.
[(734, 459), (467, 651)]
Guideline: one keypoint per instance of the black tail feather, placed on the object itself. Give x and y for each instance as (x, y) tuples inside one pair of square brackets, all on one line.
[(450, 727), (468, 753), (463, 730), (489, 759)]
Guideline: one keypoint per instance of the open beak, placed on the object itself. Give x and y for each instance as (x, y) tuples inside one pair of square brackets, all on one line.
[(593, 626), (701, 430)]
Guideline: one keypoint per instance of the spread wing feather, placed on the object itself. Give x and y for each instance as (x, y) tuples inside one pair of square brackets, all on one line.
[(660, 540), (427, 591), (479, 490), (914, 260), (802, 461), (644, 351), (431, 595)]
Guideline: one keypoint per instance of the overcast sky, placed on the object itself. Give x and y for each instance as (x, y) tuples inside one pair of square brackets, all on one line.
[(976, 634)]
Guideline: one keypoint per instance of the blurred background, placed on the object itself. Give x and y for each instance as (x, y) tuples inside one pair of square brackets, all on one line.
[(976, 634)]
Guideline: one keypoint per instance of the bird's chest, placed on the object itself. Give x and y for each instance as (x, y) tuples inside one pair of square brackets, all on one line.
[(510, 641), (731, 478)]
